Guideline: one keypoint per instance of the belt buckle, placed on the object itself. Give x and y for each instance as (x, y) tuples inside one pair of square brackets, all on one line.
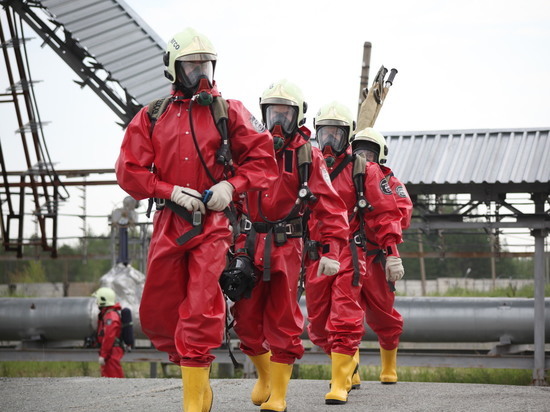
[(197, 218), (247, 225), (288, 229), (160, 203)]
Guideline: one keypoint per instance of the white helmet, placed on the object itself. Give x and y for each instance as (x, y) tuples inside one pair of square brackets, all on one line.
[(333, 125), (372, 141), (105, 297), (189, 57), (283, 108)]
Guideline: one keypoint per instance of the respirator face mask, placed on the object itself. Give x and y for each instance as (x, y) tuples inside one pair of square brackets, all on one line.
[(190, 73), (281, 122)]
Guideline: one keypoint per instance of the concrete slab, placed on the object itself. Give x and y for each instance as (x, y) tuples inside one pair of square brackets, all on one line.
[(82, 394)]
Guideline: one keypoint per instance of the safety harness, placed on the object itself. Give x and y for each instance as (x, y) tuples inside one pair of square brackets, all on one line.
[(359, 238), (219, 111), (291, 226)]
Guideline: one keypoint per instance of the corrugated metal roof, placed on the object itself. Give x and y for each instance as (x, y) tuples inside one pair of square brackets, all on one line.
[(471, 156), (119, 40)]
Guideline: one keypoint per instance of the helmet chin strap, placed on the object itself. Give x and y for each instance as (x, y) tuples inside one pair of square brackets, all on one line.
[(329, 156)]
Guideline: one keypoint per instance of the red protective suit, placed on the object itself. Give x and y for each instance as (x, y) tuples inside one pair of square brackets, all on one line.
[(271, 319), (109, 327), (333, 303), (377, 298), (182, 309)]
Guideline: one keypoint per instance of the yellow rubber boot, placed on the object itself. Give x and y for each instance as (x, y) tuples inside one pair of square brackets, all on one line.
[(262, 388), (388, 358), (280, 376), (356, 379), (197, 393), (343, 367)]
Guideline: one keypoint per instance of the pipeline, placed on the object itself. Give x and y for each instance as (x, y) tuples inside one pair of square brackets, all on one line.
[(448, 319)]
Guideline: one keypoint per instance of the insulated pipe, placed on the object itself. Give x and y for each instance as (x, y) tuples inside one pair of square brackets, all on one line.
[(504, 320), (438, 319), (50, 319), (450, 319)]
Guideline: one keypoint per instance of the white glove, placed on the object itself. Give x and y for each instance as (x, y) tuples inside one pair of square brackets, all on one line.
[(101, 360), (394, 268), (222, 193), (181, 197), (328, 266)]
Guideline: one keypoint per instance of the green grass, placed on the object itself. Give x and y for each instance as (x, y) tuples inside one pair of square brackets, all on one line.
[(414, 374), (17, 369), (322, 372), (511, 292)]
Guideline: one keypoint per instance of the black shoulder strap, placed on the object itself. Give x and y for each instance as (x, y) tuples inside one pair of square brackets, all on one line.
[(358, 177), (359, 165), (155, 109), (219, 108), (341, 167), (304, 162)]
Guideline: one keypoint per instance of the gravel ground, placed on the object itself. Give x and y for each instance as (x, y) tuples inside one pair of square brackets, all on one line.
[(142, 395)]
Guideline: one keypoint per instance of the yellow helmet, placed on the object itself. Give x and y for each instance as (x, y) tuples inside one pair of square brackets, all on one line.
[(105, 297), (371, 140), (188, 46), (333, 125), (285, 93)]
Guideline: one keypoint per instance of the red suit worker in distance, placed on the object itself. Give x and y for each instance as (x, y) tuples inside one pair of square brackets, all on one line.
[(109, 327), (377, 297)]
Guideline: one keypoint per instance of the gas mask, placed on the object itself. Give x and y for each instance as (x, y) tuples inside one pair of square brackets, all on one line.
[(332, 142), (369, 150), (281, 122), (196, 78)]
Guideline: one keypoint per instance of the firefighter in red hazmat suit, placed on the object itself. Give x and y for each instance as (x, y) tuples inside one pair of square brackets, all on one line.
[(109, 327), (334, 311), (270, 322), (193, 181), (377, 293)]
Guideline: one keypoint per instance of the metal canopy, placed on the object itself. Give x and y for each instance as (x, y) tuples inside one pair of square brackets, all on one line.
[(462, 161), (111, 49), (119, 40), (487, 165)]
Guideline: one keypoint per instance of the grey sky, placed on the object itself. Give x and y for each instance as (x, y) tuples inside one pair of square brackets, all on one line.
[(462, 64)]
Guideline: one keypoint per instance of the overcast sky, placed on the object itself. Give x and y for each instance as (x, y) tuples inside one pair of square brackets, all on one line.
[(462, 65)]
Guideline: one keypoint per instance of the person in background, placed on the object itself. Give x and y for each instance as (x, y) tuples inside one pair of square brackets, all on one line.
[(109, 327), (193, 165), (334, 311), (377, 294)]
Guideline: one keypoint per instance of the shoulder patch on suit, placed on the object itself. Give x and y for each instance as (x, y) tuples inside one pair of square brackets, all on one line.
[(108, 321), (256, 124), (401, 192), (385, 187)]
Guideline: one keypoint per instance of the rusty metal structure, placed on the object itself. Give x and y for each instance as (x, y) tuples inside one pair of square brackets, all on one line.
[(40, 180), (113, 52)]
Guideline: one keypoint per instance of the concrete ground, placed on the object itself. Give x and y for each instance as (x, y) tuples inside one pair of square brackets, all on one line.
[(143, 395)]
